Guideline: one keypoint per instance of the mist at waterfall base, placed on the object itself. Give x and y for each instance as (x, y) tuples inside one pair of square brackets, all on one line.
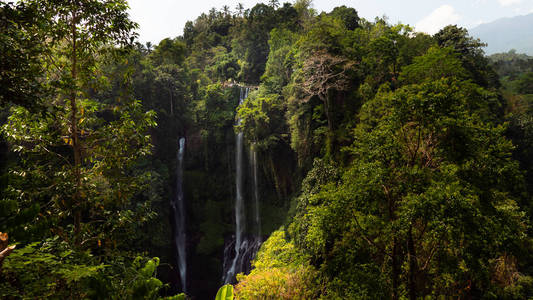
[(178, 207), (242, 248)]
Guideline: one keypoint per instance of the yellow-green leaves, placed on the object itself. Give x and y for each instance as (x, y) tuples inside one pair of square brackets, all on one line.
[(225, 293)]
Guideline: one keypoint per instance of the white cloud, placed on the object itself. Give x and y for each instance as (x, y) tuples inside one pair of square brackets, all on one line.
[(437, 19), (476, 23), (509, 2)]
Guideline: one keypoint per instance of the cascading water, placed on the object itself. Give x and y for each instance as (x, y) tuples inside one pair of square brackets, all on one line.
[(241, 250), (178, 206), (239, 205), (253, 156)]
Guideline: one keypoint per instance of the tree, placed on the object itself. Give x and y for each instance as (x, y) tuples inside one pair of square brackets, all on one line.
[(87, 25), (240, 9), (280, 272), (21, 39), (525, 83), (169, 51), (279, 66), (348, 15), (76, 173), (428, 195), (251, 42), (189, 33), (149, 47), (171, 82), (459, 39), (273, 3), (470, 52), (79, 32), (323, 73), (305, 11), (434, 65), (383, 61), (226, 10)]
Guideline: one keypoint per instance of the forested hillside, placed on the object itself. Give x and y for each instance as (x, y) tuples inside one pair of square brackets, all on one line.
[(507, 33), (278, 151)]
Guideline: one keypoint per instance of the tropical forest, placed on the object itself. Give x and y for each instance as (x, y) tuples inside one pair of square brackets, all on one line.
[(266, 152)]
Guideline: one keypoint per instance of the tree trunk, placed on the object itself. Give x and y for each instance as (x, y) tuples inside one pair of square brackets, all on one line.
[(330, 136), (395, 270), (327, 111), (171, 103), (413, 265), (76, 207)]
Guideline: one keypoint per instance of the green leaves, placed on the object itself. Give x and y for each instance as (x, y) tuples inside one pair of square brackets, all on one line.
[(225, 293), (45, 271), (49, 269), (524, 84), (79, 272), (76, 175), (437, 63), (112, 148), (144, 285), (426, 172), (21, 45), (262, 120)]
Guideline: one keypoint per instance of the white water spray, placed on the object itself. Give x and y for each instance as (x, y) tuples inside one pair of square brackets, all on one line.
[(178, 207)]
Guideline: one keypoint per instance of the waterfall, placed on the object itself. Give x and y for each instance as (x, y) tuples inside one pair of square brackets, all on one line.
[(178, 207), (253, 158), (242, 249), (239, 205)]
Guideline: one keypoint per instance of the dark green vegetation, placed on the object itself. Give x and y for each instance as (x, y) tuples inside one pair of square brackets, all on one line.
[(393, 164)]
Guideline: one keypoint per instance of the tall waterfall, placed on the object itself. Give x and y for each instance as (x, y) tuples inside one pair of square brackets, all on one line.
[(242, 249), (253, 158), (178, 207)]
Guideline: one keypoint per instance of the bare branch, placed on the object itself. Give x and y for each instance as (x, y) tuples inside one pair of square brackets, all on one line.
[(324, 72)]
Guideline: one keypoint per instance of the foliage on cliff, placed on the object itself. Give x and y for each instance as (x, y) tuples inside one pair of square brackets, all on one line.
[(398, 163)]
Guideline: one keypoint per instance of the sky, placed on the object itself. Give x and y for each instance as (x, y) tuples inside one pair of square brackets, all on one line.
[(159, 19)]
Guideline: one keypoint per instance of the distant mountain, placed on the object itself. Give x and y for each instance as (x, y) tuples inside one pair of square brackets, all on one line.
[(505, 34)]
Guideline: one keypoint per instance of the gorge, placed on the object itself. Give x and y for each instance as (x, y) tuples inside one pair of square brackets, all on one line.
[(274, 152)]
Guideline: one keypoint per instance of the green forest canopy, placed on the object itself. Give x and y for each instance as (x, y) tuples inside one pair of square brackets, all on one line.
[(394, 164)]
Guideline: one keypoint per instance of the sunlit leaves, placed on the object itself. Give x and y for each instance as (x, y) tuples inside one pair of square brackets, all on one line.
[(427, 170)]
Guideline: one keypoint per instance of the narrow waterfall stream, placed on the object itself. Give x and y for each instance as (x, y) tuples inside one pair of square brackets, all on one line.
[(253, 158), (178, 207), (239, 205), (242, 249)]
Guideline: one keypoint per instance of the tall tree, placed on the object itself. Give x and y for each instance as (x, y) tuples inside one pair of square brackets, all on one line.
[(81, 33), (74, 177), (81, 28)]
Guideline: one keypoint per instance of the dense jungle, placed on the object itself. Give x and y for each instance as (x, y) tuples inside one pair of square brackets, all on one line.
[(271, 152)]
